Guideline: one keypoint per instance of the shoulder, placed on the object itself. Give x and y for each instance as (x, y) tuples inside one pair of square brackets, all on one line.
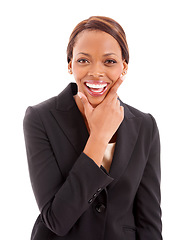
[(35, 116), (41, 108), (136, 112), (62, 102), (46, 105), (148, 121)]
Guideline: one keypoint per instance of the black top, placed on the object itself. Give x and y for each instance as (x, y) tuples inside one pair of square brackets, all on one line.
[(77, 199)]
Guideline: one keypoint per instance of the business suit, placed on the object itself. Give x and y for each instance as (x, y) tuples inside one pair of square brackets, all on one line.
[(77, 199)]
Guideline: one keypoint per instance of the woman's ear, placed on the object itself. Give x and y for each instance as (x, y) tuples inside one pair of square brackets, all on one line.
[(125, 66), (70, 67), (124, 72)]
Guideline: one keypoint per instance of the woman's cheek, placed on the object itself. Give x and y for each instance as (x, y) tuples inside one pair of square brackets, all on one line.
[(115, 76), (77, 72)]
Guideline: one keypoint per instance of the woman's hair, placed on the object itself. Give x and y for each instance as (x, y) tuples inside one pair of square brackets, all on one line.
[(104, 24)]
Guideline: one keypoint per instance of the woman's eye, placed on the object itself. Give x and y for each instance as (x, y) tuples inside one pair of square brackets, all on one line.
[(110, 61), (82, 60)]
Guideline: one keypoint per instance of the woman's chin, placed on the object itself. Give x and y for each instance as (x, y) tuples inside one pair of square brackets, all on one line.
[(95, 101)]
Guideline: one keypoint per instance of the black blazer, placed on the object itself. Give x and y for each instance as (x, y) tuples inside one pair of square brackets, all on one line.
[(77, 199)]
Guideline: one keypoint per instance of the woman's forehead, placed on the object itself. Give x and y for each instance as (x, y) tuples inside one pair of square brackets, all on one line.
[(96, 41)]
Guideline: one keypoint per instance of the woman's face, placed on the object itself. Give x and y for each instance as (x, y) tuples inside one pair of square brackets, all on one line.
[(96, 64)]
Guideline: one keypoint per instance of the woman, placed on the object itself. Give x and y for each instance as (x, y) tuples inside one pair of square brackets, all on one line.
[(93, 160)]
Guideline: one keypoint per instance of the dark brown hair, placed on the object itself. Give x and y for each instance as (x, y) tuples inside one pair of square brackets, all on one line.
[(104, 24)]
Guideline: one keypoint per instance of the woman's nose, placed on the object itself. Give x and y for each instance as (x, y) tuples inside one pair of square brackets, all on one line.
[(96, 71)]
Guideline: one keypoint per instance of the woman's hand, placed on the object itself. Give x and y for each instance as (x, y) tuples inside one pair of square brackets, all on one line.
[(104, 120)]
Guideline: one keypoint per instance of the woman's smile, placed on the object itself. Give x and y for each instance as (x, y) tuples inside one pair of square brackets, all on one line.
[(96, 88)]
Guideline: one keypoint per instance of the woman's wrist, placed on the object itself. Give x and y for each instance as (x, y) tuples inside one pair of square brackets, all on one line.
[(95, 148)]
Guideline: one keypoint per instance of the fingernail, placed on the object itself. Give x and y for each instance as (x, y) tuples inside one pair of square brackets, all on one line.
[(122, 78), (79, 94)]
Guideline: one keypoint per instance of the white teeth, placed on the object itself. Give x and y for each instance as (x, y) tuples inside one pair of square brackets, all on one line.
[(97, 86), (97, 90)]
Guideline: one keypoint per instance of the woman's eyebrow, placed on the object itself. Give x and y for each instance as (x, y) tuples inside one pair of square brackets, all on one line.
[(108, 54), (105, 55), (86, 54)]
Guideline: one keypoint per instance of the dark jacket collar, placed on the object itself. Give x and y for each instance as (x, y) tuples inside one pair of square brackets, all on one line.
[(65, 100)]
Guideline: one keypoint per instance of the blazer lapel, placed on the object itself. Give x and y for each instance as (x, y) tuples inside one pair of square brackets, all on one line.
[(127, 135), (70, 119)]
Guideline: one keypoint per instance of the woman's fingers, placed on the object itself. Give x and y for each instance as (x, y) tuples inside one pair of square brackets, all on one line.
[(117, 84), (87, 106), (113, 91)]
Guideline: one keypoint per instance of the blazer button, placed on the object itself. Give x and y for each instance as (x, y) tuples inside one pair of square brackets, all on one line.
[(100, 207), (95, 194), (90, 201)]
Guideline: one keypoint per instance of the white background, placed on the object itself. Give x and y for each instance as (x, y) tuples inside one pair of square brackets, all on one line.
[(33, 68)]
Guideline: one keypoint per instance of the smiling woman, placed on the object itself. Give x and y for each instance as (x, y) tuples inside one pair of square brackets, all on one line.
[(94, 161)]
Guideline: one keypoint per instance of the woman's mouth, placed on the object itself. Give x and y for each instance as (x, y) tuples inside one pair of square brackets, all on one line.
[(96, 89)]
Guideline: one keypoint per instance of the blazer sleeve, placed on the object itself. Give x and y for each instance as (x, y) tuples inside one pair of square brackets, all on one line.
[(147, 202), (61, 201)]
